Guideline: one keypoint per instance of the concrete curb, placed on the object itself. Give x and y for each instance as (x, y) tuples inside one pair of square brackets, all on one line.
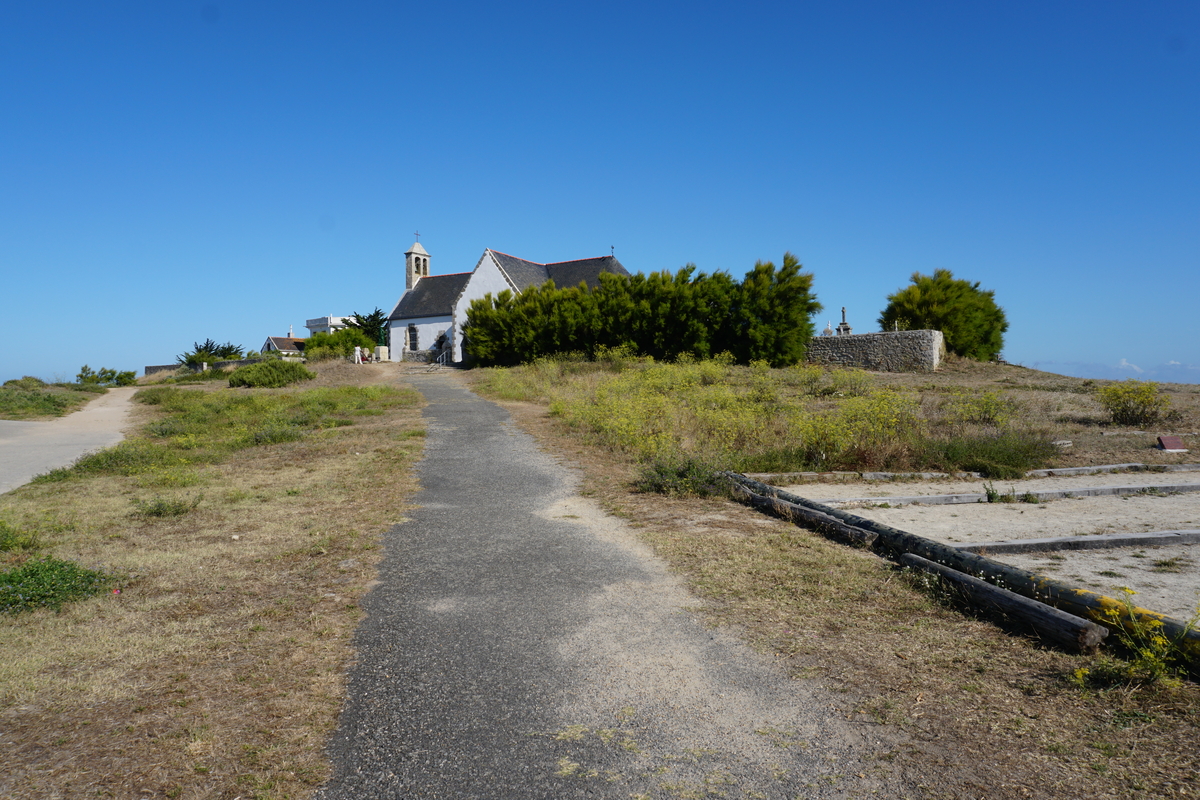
[(1061, 494), (776, 478), (1102, 542)]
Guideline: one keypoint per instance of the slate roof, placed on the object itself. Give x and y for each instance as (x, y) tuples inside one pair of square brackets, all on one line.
[(433, 296), (524, 274), (284, 344)]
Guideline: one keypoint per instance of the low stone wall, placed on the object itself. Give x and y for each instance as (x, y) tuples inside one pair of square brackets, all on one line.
[(898, 351), (154, 370)]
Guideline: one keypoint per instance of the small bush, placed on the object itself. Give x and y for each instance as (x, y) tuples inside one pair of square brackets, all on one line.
[(686, 477), (270, 374), (47, 583), (1134, 402), (339, 344), (27, 382), (13, 539)]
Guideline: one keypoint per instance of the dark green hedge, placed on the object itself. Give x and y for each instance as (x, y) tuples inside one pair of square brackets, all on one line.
[(764, 317)]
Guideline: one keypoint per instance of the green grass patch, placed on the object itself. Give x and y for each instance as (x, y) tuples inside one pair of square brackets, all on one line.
[(48, 583), (202, 427), (1007, 455)]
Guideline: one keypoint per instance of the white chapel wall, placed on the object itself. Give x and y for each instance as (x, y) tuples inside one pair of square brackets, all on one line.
[(487, 278), (428, 331)]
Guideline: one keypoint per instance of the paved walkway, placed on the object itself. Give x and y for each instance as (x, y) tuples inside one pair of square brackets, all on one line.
[(521, 644), (31, 448)]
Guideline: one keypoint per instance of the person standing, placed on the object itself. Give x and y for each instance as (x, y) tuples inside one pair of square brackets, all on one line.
[(357, 354)]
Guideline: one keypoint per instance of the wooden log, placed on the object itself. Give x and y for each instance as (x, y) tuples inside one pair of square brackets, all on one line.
[(791, 512), (1107, 611), (1051, 624)]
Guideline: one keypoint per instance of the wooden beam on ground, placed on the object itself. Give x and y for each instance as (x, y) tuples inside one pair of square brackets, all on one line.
[(823, 523), (1099, 608), (1051, 624)]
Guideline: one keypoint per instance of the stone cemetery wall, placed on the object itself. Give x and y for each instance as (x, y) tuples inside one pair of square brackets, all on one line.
[(899, 351)]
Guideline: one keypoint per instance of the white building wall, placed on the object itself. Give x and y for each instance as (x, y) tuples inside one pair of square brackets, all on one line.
[(428, 331), (487, 278), (325, 325)]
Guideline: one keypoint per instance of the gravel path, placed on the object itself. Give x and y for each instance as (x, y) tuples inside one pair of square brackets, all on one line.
[(521, 644), (31, 448)]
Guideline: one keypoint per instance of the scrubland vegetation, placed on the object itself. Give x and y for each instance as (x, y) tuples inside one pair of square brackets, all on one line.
[(757, 419), (33, 398)]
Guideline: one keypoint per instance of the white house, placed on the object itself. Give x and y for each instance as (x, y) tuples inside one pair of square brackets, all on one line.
[(287, 345), (330, 324), (435, 306)]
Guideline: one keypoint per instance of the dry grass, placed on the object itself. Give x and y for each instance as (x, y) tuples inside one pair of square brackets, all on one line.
[(961, 705), (218, 671), (1069, 409)]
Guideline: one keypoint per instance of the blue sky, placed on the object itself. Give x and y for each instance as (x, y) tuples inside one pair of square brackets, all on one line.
[(176, 171)]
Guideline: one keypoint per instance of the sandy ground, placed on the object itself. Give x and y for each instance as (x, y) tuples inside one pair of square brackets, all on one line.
[(31, 448), (1166, 579)]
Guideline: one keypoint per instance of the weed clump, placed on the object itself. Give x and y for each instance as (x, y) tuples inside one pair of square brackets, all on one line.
[(1154, 659), (14, 539), (48, 583), (685, 477), (163, 507), (270, 374)]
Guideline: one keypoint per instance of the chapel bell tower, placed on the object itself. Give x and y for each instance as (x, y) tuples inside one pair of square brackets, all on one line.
[(416, 265)]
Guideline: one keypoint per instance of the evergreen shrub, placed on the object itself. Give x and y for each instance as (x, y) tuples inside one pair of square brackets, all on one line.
[(968, 317), (270, 374), (660, 316)]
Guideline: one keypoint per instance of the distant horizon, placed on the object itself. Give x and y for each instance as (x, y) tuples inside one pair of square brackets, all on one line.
[(1122, 370)]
